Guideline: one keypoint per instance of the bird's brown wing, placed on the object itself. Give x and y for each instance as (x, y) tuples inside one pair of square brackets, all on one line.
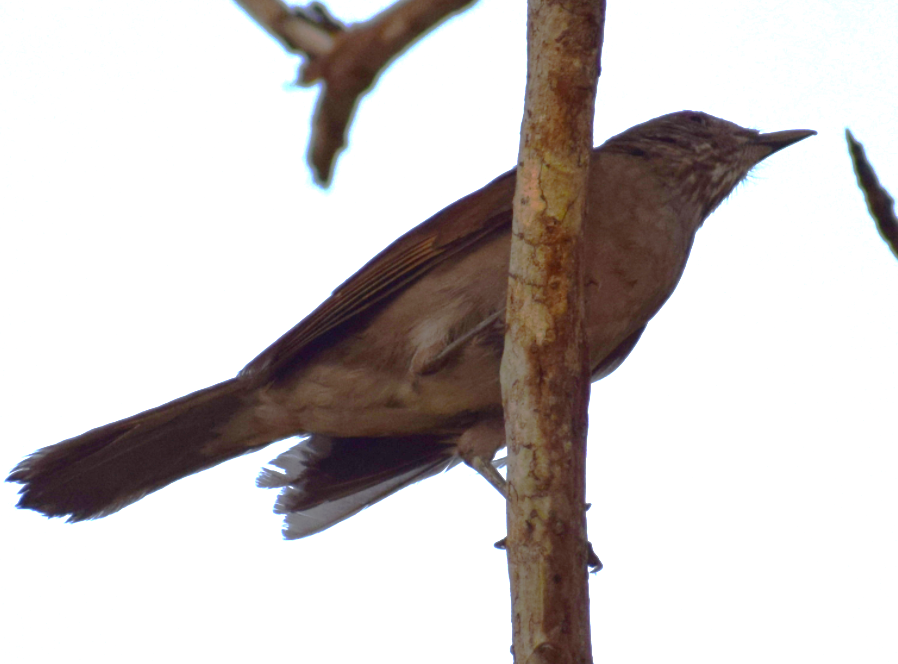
[(456, 227)]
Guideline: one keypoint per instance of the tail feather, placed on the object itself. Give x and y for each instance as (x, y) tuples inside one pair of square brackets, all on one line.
[(108, 468), (325, 480)]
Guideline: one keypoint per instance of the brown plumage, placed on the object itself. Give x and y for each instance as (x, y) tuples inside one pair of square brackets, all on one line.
[(395, 377)]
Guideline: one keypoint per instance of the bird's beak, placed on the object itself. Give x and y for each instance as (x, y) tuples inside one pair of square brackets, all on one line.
[(777, 140)]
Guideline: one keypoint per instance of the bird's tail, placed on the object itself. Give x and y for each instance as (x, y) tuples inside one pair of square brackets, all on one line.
[(105, 469), (324, 480)]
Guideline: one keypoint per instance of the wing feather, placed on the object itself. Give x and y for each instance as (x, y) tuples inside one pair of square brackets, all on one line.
[(455, 228)]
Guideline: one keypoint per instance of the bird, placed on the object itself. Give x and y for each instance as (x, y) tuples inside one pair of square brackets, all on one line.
[(394, 378)]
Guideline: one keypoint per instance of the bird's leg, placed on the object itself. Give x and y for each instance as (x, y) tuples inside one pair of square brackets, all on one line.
[(489, 472), (478, 445)]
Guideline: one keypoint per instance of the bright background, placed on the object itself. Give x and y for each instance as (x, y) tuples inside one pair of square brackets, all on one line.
[(159, 228)]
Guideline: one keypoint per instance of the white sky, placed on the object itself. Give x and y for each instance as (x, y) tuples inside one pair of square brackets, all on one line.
[(159, 229)]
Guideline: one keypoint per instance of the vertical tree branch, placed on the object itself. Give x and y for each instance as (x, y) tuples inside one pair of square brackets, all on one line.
[(545, 372)]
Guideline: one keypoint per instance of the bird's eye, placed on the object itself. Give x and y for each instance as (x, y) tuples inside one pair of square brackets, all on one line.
[(697, 117)]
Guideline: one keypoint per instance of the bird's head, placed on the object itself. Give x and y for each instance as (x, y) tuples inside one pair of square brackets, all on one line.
[(702, 158)]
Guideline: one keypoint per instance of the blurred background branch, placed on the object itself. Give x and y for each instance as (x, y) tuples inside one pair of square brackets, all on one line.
[(347, 59), (879, 202)]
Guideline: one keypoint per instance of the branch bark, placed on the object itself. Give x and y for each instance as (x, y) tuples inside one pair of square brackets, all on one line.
[(880, 204), (346, 59), (545, 372)]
